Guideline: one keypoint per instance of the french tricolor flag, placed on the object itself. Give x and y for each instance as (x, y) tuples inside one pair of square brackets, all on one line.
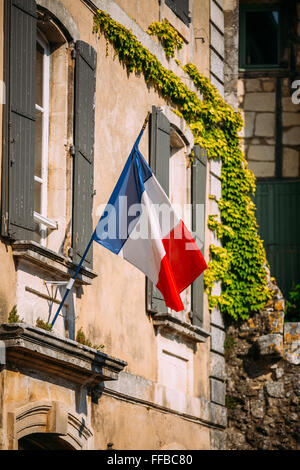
[(140, 225)]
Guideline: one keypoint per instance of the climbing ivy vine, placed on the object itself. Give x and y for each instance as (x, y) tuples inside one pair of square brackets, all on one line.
[(240, 263), (167, 35)]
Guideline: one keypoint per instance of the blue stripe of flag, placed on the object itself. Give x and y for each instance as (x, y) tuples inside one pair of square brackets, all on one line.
[(131, 184)]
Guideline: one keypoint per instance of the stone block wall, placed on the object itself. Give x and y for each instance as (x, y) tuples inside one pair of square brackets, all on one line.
[(263, 381), (271, 137), (262, 355), (217, 44), (217, 362), (266, 116)]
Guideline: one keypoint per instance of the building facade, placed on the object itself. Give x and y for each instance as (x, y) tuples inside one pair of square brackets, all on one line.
[(262, 79), (70, 114), (262, 75)]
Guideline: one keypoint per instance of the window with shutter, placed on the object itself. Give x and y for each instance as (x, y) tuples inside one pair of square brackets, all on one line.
[(37, 170), (180, 8), (184, 186), (262, 40), (198, 226), (180, 192), (25, 170), (84, 115), (159, 161), (41, 136)]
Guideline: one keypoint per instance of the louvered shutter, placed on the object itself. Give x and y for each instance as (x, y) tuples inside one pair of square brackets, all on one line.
[(180, 8), (19, 136), (159, 161), (198, 214), (84, 125)]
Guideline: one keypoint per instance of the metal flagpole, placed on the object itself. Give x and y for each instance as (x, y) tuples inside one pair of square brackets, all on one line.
[(146, 121), (71, 282)]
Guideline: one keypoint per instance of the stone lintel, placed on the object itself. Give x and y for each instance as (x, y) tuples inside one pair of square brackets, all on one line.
[(168, 322), (28, 346), (51, 262), (56, 8)]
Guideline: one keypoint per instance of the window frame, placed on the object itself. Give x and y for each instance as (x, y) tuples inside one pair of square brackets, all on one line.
[(242, 35), (41, 218), (183, 148), (154, 305), (18, 218)]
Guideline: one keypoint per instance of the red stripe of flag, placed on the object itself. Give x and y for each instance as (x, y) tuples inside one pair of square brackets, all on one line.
[(182, 264)]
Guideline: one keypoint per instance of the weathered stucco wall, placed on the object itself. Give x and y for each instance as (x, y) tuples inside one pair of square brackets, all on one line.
[(106, 314), (111, 311), (201, 29), (147, 428), (142, 11), (38, 393)]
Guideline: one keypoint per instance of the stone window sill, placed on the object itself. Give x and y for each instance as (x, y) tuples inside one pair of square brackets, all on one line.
[(28, 346), (263, 72), (168, 323), (51, 262)]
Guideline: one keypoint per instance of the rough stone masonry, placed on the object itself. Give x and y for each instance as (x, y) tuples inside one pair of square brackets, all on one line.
[(263, 381)]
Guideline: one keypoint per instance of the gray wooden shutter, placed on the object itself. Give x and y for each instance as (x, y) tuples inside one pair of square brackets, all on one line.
[(180, 8), (198, 214), (19, 136), (159, 161), (84, 130)]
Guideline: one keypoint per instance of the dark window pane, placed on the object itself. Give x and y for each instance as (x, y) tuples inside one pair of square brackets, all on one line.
[(262, 37), (180, 8), (38, 144), (39, 74), (37, 197)]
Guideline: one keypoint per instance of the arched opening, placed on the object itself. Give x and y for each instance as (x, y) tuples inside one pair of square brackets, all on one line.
[(47, 425), (43, 441)]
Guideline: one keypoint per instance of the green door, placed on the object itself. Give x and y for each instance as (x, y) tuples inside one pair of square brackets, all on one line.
[(278, 217)]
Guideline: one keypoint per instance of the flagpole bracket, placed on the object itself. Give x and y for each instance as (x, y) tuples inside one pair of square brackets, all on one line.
[(146, 121)]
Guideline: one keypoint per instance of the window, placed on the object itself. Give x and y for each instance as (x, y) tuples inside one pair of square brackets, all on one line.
[(181, 9), (168, 160), (180, 191), (260, 36), (42, 139), (49, 103)]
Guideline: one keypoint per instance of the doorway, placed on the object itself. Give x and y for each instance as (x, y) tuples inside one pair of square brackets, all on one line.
[(43, 441)]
